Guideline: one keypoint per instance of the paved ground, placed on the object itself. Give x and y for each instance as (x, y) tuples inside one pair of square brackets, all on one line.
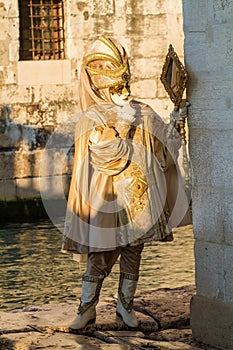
[(163, 315)]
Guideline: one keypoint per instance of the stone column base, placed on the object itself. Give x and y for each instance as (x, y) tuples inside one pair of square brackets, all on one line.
[(212, 321)]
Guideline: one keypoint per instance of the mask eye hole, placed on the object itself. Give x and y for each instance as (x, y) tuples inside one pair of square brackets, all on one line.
[(118, 89)]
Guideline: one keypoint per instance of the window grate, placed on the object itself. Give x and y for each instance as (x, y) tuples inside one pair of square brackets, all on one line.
[(41, 29)]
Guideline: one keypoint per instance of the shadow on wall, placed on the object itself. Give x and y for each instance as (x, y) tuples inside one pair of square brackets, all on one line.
[(32, 162)]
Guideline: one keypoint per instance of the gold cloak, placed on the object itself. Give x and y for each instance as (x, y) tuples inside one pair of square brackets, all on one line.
[(124, 191)]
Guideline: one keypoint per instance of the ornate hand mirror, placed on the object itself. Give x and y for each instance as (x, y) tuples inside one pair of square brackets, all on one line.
[(174, 76)]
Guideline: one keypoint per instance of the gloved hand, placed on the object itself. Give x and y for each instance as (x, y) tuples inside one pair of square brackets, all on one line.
[(125, 114), (182, 112), (125, 117)]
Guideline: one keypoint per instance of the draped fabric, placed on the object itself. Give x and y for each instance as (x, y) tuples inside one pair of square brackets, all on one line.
[(125, 190)]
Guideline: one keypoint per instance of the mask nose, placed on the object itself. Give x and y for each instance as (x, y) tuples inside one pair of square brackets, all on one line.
[(126, 91)]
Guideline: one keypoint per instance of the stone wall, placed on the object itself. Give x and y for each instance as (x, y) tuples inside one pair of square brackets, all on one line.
[(208, 29), (39, 98)]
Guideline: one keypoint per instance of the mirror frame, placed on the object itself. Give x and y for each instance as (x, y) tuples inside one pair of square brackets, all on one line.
[(172, 58)]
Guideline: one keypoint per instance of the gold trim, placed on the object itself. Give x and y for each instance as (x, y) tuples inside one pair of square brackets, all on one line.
[(117, 72), (112, 46), (100, 56), (139, 186)]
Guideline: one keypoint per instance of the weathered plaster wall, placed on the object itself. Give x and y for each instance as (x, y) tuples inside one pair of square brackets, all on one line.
[(38, 98), (208, 27)]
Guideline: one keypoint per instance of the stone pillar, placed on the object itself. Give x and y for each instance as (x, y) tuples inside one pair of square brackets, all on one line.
[(208, 48)]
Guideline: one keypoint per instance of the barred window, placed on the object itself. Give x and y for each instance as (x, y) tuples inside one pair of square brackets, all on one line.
[(41, 29)]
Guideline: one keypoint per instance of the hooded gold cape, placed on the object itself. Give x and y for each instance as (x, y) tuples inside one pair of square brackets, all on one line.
[(123, 191)]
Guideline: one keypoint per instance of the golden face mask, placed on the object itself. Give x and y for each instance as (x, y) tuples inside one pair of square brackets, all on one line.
[(120, 89)]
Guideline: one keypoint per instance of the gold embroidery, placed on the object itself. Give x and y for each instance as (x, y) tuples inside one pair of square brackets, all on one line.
[(130, 188), (139, 186)]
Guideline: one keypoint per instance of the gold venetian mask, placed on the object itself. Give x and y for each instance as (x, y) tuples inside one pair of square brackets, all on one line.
[(120, 89)]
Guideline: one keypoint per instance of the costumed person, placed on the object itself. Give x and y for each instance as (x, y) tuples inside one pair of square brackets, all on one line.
[(126, 187)]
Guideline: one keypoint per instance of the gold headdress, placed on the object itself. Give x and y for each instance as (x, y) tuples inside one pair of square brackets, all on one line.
[(106, 63)]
